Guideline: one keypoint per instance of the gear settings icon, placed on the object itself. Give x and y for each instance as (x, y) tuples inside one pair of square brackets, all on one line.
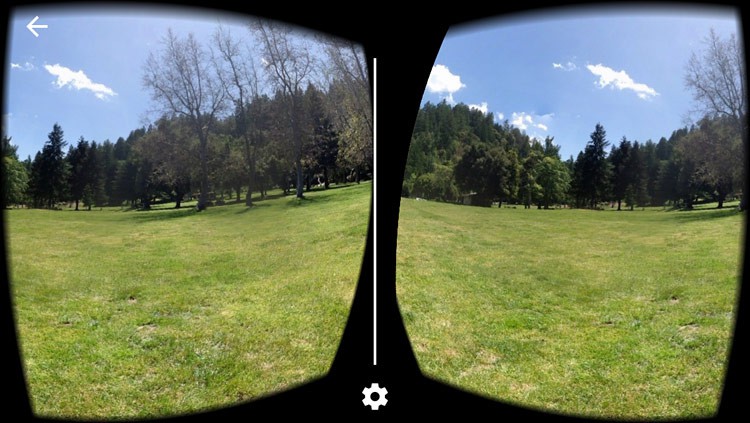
[(381, 400)]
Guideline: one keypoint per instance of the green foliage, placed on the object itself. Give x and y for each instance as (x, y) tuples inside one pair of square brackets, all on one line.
[(14, 176), (438, 185), (592, 171), (715, 149), (48, 179), (480, 172), (490, 162), (554, 181), (15, 181)]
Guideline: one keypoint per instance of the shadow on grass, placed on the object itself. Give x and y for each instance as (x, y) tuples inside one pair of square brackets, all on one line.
[(256, 205), (164, 214), (705, 214)]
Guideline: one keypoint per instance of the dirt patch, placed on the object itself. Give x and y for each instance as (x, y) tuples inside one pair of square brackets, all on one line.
[(147, 328), (690, 327)]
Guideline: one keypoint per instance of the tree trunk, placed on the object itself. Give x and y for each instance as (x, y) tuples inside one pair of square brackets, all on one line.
[(203, 198), (250, 183), (689, 203), (619, 204), (76, 205), (300, 179), (325, 177)]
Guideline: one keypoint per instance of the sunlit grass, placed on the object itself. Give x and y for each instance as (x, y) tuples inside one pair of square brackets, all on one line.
[(597, 313), (143, 314)]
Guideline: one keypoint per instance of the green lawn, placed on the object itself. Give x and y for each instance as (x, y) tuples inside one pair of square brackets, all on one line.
[(597, 313), (142, 314)]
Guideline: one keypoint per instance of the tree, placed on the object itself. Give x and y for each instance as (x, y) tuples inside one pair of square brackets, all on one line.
[(595, 171), (237, 74), (715, 149), (621, 174), (553, 179), (480, 172), (637, 192), (48, 181), (438, 185), (169, 147), (77, 159), (93, 193), (182, 83), (15, 177), (529, 189), (716, 76), (288, 65), (15, 182), (323, 148), (349, 101)]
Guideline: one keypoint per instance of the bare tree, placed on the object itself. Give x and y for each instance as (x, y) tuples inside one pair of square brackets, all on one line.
[(716, 76), (349, 91), (182, 83), (239, 78), (288, 64)]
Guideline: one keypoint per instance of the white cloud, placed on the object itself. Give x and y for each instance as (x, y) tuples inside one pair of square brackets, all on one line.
[(481, 107), (521, 120), (442, 81), (79, 81), (569, 66), (524, 121), (500, 117), (620, 80), (28, 66)]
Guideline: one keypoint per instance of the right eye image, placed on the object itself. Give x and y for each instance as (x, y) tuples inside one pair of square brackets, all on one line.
[(572, 216)]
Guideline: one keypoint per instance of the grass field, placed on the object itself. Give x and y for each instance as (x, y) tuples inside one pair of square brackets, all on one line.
[(596, 313), (143, 314)]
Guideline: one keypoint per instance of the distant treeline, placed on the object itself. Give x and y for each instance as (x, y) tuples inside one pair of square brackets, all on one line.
[(460, 155), (219, 135)]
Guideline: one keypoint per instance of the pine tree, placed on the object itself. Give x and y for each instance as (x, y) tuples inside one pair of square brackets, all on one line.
[(49, 171), (596, 169)]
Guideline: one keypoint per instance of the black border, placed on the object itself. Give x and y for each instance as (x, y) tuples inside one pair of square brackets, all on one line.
[(405, 43)]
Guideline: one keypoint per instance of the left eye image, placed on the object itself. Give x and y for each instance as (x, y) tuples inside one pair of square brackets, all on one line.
[(186, 199)]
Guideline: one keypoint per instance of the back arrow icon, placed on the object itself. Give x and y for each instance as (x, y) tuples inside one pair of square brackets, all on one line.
[(31, 26)]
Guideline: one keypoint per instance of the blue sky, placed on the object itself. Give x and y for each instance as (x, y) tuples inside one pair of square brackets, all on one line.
[(85, 70), (561, 73)]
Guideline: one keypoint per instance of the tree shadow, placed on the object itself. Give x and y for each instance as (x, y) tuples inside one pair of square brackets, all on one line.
[(256, 205), (705, 214), (164, 214)]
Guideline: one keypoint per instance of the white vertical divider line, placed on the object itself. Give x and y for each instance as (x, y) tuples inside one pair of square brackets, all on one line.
[(375, 211)]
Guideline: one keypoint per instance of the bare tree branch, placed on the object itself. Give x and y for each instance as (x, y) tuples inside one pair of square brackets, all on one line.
[(182, 83)]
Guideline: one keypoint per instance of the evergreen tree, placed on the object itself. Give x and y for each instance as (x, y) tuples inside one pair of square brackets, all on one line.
[(619, 159), (49, 171), (596, 169)]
